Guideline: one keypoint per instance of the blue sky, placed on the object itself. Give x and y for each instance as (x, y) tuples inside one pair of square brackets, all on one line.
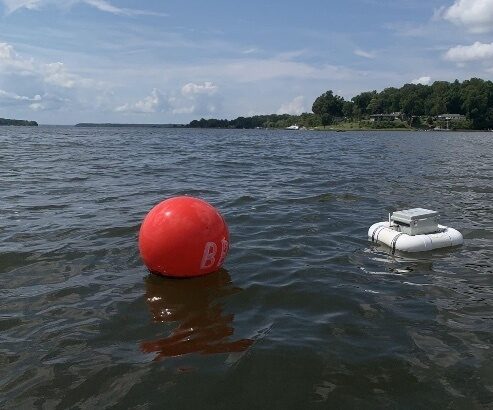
[(68, 61)]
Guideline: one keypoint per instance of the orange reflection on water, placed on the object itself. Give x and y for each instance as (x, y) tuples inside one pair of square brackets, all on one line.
[(195, 306)]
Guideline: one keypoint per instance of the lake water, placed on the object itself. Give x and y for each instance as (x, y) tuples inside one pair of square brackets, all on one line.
[(307, 314)]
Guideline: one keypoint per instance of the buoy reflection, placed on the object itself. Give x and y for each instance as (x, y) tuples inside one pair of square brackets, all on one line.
[(195, 306)]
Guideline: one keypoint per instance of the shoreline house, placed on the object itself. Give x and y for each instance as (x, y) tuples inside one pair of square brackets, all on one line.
[(386, 117), (448, 119), (451, 117)]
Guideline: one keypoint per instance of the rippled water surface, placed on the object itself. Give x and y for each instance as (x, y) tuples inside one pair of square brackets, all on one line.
[(307, 314)]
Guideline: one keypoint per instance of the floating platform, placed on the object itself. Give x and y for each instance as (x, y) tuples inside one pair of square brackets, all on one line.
[(414, 230)]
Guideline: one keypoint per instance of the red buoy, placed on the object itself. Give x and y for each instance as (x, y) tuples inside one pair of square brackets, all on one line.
[(183, 237)]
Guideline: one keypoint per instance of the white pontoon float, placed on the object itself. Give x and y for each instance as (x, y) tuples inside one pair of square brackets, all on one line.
[(414, 230)]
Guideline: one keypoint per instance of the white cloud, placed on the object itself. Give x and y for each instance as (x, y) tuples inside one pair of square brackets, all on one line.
[(13, 5), (425, 80), (53, 85), (250, 50), (193, 98), (156, 102), (35, 103), (363, 53), (10, 99), (293, 107), (475, 52), (199, 99), (102, 5), (152, 103), (50, 73), (56, 74), (475, 15), (193, 89), (6, 96), (11, 61)]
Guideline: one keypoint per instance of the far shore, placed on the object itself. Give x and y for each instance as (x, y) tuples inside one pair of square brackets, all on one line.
[(318, 129), (395, 129), (340, 127)]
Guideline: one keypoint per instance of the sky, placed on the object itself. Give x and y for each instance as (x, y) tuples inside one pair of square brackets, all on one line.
[(172, 61)]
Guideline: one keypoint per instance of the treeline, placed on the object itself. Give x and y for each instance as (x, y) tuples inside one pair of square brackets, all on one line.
[(116, 125), (6, 121), (472, 98), (260, 121), (418, 104)]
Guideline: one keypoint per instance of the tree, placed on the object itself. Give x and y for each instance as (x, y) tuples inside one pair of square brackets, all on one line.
[(326, 119), (375, 106), (477, 95), (361, 103), (347, 109), (328, 103)]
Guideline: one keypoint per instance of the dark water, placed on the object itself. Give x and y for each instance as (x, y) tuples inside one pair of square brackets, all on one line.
[(307, 315)]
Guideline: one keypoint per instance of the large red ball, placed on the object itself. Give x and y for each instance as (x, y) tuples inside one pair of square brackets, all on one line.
[(183, 237)]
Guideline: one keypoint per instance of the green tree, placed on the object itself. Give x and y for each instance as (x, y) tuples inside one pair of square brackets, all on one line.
[(375, 106), (361, 103), (328, 103), (347, 109), (326, 119)]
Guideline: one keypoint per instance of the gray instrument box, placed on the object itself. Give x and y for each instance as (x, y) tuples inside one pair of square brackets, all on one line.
[(416, 221)]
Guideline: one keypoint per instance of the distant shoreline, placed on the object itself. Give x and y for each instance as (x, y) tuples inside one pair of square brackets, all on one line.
[(17, 123), (317, 129), (113, 125)]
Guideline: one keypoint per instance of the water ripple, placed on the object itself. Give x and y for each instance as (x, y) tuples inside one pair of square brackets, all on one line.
[(308, 313)]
